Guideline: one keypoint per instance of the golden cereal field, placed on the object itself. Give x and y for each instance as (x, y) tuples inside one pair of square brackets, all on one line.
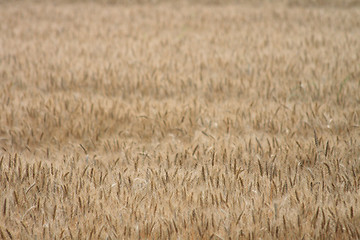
[(180, 120)]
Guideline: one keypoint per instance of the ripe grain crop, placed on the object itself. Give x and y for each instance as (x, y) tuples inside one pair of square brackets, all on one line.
[(178, 120)]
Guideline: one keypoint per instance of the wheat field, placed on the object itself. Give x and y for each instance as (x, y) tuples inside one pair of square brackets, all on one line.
[(180, 120)]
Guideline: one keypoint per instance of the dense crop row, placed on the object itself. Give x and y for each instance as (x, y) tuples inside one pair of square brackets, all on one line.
[(180, 121)]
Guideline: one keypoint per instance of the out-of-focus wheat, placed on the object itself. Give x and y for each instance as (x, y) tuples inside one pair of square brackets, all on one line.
[(179, 120)]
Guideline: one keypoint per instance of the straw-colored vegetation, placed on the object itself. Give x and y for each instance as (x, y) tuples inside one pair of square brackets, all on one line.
[(179, 121)]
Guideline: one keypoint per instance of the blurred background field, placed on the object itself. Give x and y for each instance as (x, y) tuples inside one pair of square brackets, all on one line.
[(303, 3)]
